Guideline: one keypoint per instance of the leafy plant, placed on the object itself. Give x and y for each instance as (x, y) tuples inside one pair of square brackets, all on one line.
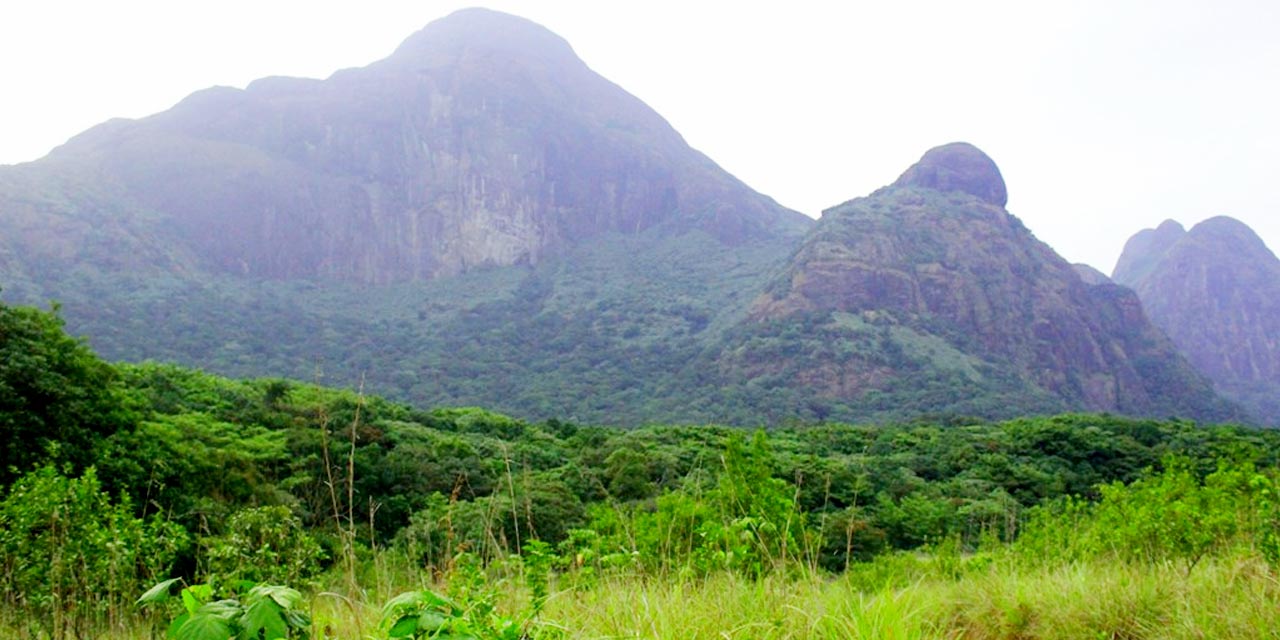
[(427, 614), (264, 612), (263, 544)]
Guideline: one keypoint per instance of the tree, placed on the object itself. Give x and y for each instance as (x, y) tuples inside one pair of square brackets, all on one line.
[(57, 399)]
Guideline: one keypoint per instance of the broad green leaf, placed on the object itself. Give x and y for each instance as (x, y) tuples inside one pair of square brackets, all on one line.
[(196, 595), (204, 627), (430, 621), (408, 598), (409, 601), (297, 619), (263, 620), (433, 599), (177, 623), (228, 610), (284, 596), (406, 627), (189, 601), (158, 593)]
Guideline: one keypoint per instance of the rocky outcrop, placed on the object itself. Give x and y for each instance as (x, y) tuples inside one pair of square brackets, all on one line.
[(1216, 291), (482, 141), (942, 277)]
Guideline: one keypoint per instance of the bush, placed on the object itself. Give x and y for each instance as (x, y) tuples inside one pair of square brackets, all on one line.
[(263, 544)]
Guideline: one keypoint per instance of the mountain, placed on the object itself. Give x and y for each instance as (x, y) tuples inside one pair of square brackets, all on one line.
[(481, 141), (928, 294), (477, 219), (1144, 250), (480, 219), (1216, 291)]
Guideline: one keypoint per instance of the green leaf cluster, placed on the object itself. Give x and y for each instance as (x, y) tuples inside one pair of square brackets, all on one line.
[(263, 612)]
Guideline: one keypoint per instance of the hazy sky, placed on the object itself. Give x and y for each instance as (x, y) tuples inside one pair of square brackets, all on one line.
[(1105, 117)]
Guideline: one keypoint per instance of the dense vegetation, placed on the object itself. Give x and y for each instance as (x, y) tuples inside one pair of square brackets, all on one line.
[(120, 476)]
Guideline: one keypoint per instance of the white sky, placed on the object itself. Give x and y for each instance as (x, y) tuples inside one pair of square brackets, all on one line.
[(1104, 116)]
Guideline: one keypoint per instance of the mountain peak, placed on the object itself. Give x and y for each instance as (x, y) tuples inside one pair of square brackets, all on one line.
[(958, 166), (484, 29)]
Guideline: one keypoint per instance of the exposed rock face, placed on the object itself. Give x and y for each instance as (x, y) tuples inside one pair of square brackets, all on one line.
[(482, 141), (949, 280), (1216, 291)]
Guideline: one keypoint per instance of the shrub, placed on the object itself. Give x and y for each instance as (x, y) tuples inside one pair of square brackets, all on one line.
[(263, 544)]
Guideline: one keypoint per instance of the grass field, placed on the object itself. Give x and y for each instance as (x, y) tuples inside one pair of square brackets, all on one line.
[(1231, 597)]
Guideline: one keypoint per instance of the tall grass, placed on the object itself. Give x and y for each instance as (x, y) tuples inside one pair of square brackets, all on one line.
[(1235, 596)]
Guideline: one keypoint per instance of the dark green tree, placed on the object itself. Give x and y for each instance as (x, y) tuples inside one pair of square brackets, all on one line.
[(57, 399)]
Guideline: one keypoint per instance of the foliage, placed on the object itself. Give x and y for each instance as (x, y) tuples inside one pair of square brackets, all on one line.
[(272, 472), (426, 614), (262, 544), (263, 612), (1176, 514), (57, 399)]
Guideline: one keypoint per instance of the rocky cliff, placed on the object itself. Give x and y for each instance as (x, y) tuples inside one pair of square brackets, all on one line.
[(1216, 291), (478, 219)]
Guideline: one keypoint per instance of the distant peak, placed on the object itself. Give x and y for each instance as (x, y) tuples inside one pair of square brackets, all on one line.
[(478, 28), (1145, 250), (1171, 227), (958, 166)]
